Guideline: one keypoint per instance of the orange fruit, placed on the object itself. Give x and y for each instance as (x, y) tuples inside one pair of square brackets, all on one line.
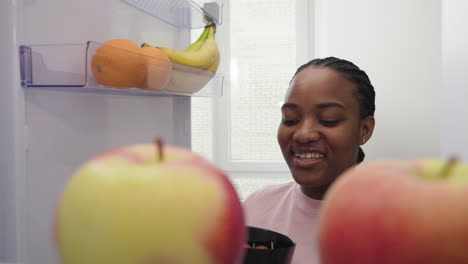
[(118, 64), (261, 247), (158, 68)]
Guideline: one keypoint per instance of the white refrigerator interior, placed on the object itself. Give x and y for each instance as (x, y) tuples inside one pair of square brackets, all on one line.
[(47, 132)]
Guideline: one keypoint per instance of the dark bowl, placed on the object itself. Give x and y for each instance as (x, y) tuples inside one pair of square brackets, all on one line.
[(280, 248)]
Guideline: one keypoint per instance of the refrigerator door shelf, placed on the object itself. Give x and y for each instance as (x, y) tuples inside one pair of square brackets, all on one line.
[(74, 67), (186, 14)]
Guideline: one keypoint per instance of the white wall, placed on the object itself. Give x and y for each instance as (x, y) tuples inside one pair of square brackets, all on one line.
[(454, 124), (398, 44)]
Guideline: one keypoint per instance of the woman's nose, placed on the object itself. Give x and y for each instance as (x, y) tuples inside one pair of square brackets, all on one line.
[(307, 133)]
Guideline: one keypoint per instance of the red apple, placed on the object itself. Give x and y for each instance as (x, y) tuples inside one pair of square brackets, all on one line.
[(134, 205), (408, 212)]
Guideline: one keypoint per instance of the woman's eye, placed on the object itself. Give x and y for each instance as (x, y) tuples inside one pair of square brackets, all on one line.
[(289, 122), (329, 123)]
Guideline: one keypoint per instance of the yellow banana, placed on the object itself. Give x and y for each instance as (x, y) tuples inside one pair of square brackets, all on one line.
[(203, 58), (200, 40), (195, 46), (214, 66)]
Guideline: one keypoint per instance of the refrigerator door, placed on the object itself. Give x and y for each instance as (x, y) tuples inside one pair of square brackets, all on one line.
[(12, 151), (47, 133)]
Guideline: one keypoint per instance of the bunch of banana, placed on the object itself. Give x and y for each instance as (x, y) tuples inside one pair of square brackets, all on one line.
[(202, 54)]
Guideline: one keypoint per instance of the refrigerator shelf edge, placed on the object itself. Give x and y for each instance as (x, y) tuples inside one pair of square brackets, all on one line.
[(75, 68), (185, 14)]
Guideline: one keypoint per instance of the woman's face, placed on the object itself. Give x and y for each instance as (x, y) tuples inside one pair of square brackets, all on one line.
[(321, 130)]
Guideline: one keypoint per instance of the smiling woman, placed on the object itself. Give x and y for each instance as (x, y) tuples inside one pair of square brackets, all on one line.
[(326, 117)]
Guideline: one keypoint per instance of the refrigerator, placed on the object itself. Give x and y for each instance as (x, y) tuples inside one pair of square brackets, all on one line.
[(54, 115)]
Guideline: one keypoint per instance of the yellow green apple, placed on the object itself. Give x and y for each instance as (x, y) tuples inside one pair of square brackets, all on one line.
[(147, 204), (397, 212)]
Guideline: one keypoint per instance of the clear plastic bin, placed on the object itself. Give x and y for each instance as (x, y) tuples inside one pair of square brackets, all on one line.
[(78, 67)]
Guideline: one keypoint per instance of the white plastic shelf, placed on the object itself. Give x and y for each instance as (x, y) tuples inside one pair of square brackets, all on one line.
[(69, 67), (186, 14)]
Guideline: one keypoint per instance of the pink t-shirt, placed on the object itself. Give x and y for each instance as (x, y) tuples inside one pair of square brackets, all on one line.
[(284, 208)]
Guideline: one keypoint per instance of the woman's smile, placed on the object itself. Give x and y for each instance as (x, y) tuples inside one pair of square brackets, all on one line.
[(307, 158), (306, 163)]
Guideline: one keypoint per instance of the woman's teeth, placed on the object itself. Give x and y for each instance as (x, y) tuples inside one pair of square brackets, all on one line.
[(310, 155)]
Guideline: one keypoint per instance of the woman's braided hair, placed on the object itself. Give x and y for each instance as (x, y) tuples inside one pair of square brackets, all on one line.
[(365, 93)]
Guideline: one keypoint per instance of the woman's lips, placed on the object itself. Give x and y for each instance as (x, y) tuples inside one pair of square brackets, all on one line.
[(306, 163)]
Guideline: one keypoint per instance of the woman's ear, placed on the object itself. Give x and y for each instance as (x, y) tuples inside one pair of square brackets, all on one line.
[(367, 128)]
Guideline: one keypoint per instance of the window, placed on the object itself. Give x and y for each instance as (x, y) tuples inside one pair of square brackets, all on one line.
[(262, 41)]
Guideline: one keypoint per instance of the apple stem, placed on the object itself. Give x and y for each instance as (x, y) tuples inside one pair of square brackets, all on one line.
[(159, 149), (445, 172)]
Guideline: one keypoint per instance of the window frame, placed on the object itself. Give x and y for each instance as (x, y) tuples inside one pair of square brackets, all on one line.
[(305, 29)]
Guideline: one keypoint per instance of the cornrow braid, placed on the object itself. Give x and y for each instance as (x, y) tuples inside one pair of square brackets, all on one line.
[(365, 93), (365, 90)]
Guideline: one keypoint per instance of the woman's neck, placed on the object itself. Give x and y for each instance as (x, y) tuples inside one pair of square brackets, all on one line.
[(316, 193)]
